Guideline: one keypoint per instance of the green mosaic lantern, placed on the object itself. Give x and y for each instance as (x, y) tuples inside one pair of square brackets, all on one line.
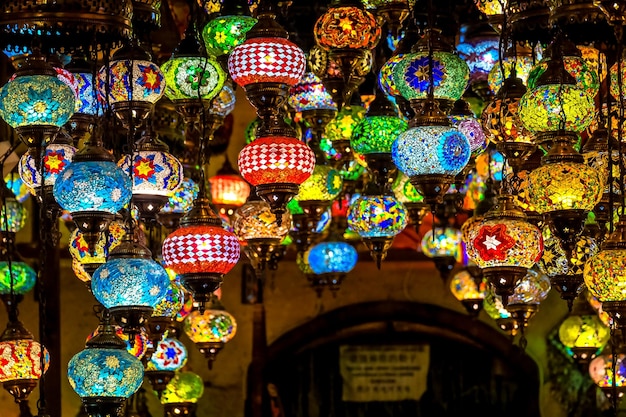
[(188, 77)]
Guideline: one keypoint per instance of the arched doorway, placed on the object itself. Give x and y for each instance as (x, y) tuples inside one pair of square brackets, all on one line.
[(473, 369)]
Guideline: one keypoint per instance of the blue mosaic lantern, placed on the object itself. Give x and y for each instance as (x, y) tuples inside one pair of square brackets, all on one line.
[(130, 284), (36, 102), (104, 374), (93, 189), (332, 258), (377, 219)]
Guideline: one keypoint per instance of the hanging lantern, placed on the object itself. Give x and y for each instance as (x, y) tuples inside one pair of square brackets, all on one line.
[(504, 245), (227, 30), (450, 73), (156, 174), (87, 107), (201, 252), (332, 260), (13, 214), (347, 32), (523, 304), (210, 330), (431, 153), (518, 59), (377, 219), (229, 190), (406, 193), (276, 166), (135, 83), (494, 308), (170, 355), (182, 393), (165, 311), (309, 94), (609, 381), (104, 374), (179, 203), (35, 102), (393, 12), (469, 287), (93, 189), (480, 50), (259, 232), (583, 333), (56, 156), (444, 246), (16, 276), (465, 122), (15, 184), (565, 189), (130, 284)]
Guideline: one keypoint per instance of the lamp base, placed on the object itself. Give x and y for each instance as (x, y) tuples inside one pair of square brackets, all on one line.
[(210, 351), (504, 280), (201, 286), (179, 409), (104, 406), (36, 137), (20, 389), (157, 326), (383, 170), (378, 247), (149, 205), (277, 196), (261, 252), (131, 319), (132, 113), (516, 153), (473, 306), (159, 380), (432, 187)]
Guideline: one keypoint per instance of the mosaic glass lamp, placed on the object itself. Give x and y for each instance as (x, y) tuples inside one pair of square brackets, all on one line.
[(93, 189), (91, 258), (583, 332), (339, 131), (15, 184), (130, 284), (523, 304), (16, 276), (13, 214), (481, 54), (377, 219), (137, 346), (601, 372), (179, 203), (566, 189), (450, 73), (431, 152), (104, 374), (210, 330), (164, 313), (276, 166), (87, 107), (347, 26), (309, 94), (201, 251), (170, 355), (156, 174), (332, 260), (20, 368), (228, 29), (444, 246), (469, 287), (520, 59), (465, 122), (57, 155), (556, 103), (504, 245), (406, 193), (182, 393), (36, 102), (224, 103), (135, 83), (229, 190), (259, 232)]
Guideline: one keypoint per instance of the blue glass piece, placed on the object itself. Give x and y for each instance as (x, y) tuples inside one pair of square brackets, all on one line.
[(130, 282), (92, 186)]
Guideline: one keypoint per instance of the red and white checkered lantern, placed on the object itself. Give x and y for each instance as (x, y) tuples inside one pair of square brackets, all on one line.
[(267, 60), (201, 249), (276, 159)]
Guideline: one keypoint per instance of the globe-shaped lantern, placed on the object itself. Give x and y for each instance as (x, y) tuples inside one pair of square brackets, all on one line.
[(377, 219), (556, 103), (36, 102), (601, 372), (565, 189), (332, 260), (136, 346), (431, 153), (583, 332), (504, 245), (523, 304), (519, 59), (469, 287), (481, 53), (465, 122), (15, 184), (276, 166), (16, 276), (170, 354), (179, 203), (87, 106), (156, 175), (347, 27), (406, 193), (135, 83), (210, 330), (182, 393), (13, 214), (228, 189), (338, 131), (20, 368), (616, 79), (164, 313), (224, 103), (259, 232), (228, 29), (201, 251), (444, 246), (91, 258), (450, 73), (495, 309), (104, 374), (56, 156), (309, 94), (317, 191), (584, 76), (130, 284), (566, 272)]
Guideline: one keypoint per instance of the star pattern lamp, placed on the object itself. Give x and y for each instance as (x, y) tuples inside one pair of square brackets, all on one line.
[(504, 245)]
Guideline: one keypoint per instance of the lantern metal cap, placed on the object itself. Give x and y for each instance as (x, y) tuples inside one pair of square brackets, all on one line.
[(93, 152), (150, 142), (15, 330), (131, 51), (80, 64), (512, 87), (555, 72), (35, 64), (106, 338), (617, 239), (562, 150), (429, 114), (201, 213), (505, 208), (461, 108), (432, 38), (381, 106), (266, 25), (130, 248)]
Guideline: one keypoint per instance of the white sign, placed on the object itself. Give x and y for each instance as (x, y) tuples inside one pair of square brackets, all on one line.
[(383, 373)]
